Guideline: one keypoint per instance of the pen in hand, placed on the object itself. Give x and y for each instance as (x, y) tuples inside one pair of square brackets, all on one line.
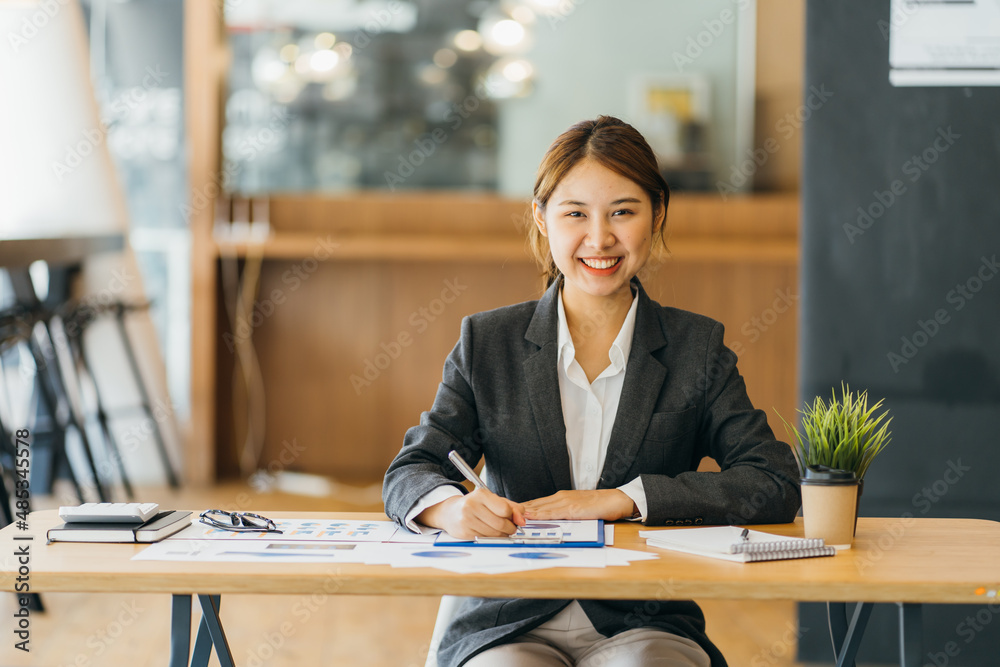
[(464, 468), (470, 474)]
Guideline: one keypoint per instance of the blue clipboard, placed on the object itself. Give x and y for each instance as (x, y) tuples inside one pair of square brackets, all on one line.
[(547, 534)]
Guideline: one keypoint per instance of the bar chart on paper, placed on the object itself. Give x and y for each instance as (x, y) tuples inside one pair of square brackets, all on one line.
[(300, 530)]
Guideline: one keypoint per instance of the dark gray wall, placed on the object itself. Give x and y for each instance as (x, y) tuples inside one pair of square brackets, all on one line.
[(902, 297)]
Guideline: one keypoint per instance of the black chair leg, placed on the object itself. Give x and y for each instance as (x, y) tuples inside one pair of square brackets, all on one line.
[(80, 351), (75, 419), (6, 500), (48, 392), (144, 396), (51, 375)]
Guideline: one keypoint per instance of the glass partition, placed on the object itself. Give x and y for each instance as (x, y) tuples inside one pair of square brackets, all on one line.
[(466, 94)]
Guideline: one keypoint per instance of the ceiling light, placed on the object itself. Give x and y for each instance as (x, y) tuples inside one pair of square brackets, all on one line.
[(509, 77), (445, 58), (517, 71), (522, 14), (289, 52), (324, 61), (507, 32), (324, 40), (468, 40)]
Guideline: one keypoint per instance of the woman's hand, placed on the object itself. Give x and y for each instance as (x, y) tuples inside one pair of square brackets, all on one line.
[(607, 504), (480, 513)]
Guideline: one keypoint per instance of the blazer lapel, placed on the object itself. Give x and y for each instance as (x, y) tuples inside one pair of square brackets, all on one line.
[(644, 376), (543, 387)]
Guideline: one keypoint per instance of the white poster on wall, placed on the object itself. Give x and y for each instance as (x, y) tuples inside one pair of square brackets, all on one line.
[(943, 42)]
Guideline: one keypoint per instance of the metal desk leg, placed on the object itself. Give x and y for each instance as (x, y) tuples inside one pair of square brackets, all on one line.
[(836, 614), (911, 646), (203, 641), (852, 641), (180, 630), (210, 615)]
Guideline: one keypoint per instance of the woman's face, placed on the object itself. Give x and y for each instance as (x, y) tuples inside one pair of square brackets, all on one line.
[(599, 225)]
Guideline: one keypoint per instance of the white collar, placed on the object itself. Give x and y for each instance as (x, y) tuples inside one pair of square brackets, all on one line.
[(620, 348)]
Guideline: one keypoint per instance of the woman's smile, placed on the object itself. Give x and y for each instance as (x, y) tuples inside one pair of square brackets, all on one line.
[(601, 266)]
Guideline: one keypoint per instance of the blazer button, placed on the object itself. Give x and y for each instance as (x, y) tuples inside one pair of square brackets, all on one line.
[(688, 522), (698, 521), (668, 522)]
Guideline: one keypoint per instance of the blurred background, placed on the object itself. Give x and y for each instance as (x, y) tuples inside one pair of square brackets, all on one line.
[(237, 238)]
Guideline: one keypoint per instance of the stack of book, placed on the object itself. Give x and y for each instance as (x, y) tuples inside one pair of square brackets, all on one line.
[(163, 524)]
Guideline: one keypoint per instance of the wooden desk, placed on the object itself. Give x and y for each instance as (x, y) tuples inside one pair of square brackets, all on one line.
[(907, 561)]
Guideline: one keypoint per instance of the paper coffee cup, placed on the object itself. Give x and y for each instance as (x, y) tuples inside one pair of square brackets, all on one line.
[(829, 505)]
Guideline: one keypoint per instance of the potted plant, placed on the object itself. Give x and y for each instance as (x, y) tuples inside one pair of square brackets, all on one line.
[(834, 448)]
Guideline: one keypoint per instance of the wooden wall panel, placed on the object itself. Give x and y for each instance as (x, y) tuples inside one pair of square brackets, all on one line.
[(732, 261), (203, 69), (755, 230)]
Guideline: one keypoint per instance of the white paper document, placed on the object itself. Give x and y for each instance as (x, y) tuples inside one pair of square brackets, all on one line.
[(298, 530), (565, 534), (373, 543), (241, 551)]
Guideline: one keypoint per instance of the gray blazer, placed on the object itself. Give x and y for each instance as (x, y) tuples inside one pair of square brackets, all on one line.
[(682, 399)]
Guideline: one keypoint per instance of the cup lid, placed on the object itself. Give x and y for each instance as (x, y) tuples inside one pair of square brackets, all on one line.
[(825, 474)]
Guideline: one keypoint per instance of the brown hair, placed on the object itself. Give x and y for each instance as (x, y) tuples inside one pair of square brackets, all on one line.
[(617, 146)]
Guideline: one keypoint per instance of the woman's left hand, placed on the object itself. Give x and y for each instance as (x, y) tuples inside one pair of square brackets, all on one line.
[(607, 504)]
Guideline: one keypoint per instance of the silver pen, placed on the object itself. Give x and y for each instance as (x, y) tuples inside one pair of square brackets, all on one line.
[(464, 468)]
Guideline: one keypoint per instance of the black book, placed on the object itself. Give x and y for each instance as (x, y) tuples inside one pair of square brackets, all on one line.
[(162, 525)]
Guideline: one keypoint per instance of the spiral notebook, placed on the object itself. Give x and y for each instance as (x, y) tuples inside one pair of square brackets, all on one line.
[(727, 543)]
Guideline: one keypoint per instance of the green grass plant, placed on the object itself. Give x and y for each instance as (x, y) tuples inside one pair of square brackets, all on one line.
[(844, 434)]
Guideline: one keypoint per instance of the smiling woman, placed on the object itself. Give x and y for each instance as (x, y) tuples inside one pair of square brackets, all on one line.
[(593, 402), (628, 164)]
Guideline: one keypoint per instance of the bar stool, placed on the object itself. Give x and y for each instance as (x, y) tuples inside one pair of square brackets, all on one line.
[(77, 317)]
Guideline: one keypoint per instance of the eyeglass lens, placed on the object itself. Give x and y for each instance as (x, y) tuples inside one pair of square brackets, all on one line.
[(249, 522)]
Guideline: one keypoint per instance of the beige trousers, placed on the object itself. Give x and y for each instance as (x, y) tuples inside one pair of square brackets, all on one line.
[(570, 640)]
